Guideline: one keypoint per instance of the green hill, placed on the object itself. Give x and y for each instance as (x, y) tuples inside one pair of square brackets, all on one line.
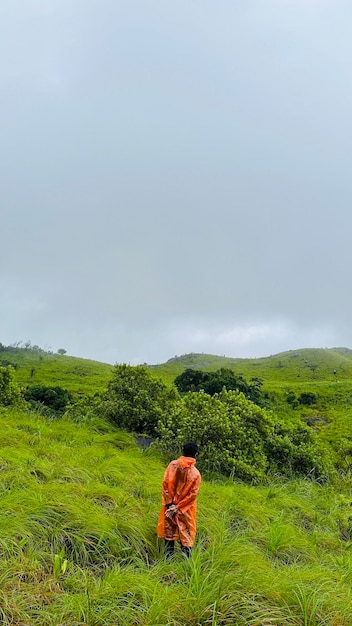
[(305, 365), (325, 372), (38, 367), (295, 367)]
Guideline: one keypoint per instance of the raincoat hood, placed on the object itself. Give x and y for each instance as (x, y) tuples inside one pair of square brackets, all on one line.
[(186, 461)]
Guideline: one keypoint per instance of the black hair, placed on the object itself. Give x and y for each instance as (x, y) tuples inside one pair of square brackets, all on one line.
[(190, 449)]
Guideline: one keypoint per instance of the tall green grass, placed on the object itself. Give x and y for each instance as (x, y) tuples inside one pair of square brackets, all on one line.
[(78, 511)]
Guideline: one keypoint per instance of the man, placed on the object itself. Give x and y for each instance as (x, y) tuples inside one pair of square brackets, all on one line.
[(177, 519)]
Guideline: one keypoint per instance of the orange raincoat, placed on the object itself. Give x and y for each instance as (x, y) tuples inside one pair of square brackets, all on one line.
[(180, 486)]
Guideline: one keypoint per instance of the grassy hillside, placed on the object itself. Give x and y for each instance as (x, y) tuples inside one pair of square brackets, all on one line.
[(78, 510), (299, 367), (326, 372), (296, 366), (37, 367)]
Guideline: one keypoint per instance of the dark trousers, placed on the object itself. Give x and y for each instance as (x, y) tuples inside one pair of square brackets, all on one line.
[(170, 549)]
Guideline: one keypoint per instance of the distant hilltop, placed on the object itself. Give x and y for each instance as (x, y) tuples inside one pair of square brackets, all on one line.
[(310, 364), (37, 365)]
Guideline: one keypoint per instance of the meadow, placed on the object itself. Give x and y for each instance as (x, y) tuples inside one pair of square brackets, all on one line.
[(79, 503), (78, 510)]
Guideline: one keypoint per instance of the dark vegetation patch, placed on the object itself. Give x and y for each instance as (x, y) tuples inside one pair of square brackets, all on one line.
[(54, 398), (213, 383)]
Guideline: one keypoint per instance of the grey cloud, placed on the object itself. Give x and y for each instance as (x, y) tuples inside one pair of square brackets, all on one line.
[(173, 167)]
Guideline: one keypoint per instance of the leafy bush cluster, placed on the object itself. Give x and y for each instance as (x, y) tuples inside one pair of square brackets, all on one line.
[(236, 437), (135, 400), (55, 398), (240, 439), (306, 398), (293, 451), (230, 430), (214, 382)]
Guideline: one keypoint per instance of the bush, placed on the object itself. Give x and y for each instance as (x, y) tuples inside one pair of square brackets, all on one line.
[(230, 430), (214, 382), (240, 439), (83, 409), (293, 451), (10, 392), (307, 398), (135, 400), (55, 398), (291, 397), (190, 380)]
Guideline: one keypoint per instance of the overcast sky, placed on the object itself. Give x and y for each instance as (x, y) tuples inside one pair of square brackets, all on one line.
[(175, 176)]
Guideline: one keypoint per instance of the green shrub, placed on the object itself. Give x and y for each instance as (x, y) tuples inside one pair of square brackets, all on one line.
[(83, 409), (55, 398), (213, 383), (230, 430), (239, 439), (136, 400), (10, 392), (307, 398), (293, 451), (291, 397)]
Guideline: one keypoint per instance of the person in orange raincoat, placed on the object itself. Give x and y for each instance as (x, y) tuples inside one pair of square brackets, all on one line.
[(177, 519)]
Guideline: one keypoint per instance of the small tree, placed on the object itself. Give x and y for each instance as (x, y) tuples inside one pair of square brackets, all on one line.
[(135, 400), (190, 380), (214, 382), (62, 351)]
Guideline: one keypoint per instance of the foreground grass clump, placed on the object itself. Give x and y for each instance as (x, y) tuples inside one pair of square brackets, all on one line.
[(78, 510)]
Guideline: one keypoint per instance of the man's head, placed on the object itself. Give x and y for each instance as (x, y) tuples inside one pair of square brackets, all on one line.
[(190, 449)]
